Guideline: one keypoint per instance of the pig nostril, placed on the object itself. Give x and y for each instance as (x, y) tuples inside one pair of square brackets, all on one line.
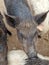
[(1, 32)]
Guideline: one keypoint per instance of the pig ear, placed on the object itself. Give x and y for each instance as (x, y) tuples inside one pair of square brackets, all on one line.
[(40, 17), (12, 20)]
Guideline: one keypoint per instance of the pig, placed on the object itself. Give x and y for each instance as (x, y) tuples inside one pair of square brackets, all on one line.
[(3, 42), (20, 17)]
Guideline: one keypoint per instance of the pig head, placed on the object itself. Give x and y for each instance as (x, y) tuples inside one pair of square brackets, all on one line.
[(27, 30)]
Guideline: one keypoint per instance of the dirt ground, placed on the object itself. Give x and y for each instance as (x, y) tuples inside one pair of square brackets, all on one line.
[(42, 45)]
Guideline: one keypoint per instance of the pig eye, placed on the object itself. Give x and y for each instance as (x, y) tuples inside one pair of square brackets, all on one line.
[(1, 33), (0, 21), (39, 36)]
